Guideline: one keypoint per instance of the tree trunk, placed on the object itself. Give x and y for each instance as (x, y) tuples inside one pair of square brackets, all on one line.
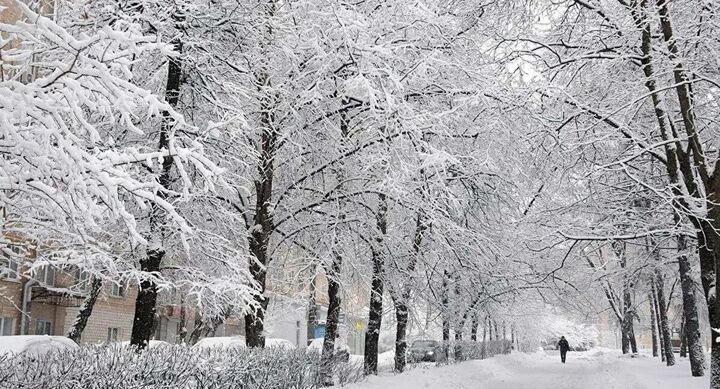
[(333, 317), (182, 330), (262, 227), (490, 329), (446, 313), (653, 325), (401, 304), (683, 338), (372, 337), (483, 350), (633, 340), (474, 328), (664, 325), (86, 309), (458, 354), (691, 321), (625, 337), (254, 321), (146, 300), (661, 339), (312, 310)]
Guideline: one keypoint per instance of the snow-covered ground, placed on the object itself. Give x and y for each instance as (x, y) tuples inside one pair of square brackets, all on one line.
[(596, 369)]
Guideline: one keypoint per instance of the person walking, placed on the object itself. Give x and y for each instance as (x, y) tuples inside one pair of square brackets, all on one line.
[(563, 346)]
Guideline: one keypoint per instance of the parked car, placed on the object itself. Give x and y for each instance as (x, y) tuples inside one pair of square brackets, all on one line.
[(342, 351), (223, 342), (279, 343), (426, 351), (35, 344)]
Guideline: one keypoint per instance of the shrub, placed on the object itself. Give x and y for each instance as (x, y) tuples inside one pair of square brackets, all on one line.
[(96, 367)]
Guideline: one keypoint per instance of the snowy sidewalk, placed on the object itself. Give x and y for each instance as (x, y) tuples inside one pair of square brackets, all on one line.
[(597, 369)]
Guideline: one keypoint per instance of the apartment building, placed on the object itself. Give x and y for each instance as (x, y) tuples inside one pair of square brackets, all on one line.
[(46, 301)]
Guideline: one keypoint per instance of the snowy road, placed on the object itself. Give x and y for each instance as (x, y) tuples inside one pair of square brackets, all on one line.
[(599, 369)]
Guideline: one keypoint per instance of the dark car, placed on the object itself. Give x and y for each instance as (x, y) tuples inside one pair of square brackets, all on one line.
[(426, 351)]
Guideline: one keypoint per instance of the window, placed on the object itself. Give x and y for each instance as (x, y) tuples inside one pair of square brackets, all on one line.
[(46, 275), (43, 327), (83, 280), (117, 290), (6, 326), (9, 265), (112, 334)]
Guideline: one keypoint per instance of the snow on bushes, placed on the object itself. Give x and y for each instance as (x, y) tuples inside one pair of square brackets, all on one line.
[(171, 367)]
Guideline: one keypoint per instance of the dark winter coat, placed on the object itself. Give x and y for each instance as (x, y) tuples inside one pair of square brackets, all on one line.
[(563, 345)]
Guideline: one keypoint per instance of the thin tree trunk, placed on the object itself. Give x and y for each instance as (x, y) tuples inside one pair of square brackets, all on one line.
[(182, 328), (446, 313), (490, 328), (664, 325), (312, 310), (683, 338), (633, 340), (661, 338), (78, 326), (474, 327), (483, 351), (653, 325)]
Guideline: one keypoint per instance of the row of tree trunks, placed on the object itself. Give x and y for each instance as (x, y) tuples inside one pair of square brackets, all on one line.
[(677, 160)]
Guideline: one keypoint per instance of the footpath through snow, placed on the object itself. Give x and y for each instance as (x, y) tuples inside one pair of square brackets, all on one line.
[(596, 369)]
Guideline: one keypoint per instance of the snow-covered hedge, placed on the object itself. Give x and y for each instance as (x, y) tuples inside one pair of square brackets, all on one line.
[(171, 367)]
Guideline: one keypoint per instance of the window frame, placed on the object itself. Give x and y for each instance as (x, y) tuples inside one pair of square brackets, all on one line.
[(82, 280), (47, 325), (4, 326), (42, 275), (113, 334), (117, 289), (12, 264)]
